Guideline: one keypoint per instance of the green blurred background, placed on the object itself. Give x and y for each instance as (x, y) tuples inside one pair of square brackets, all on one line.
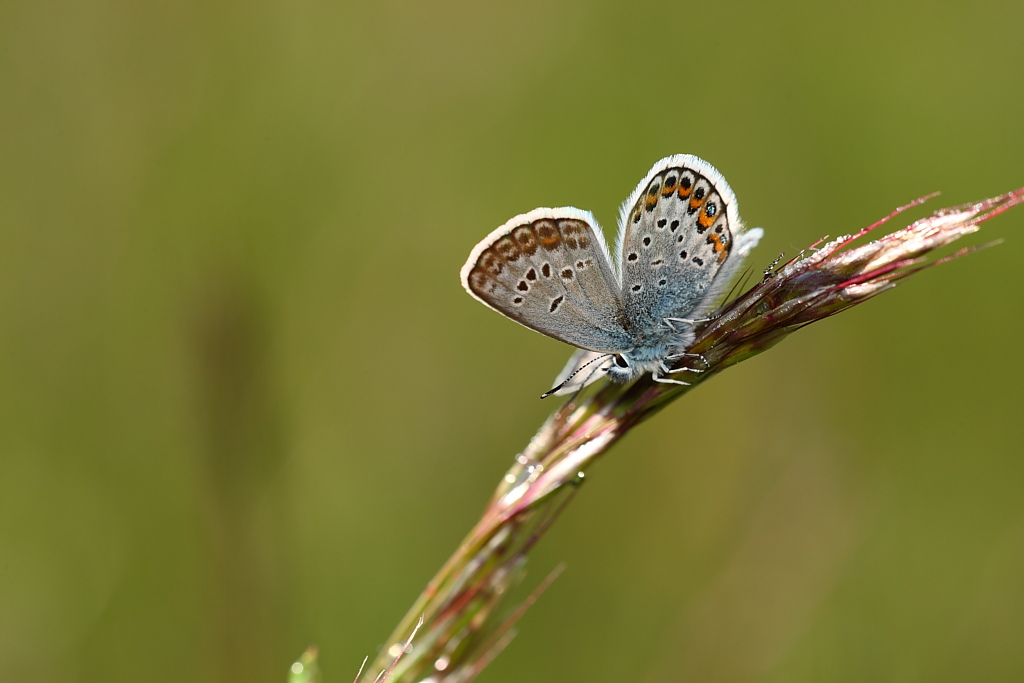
[(246, 405)]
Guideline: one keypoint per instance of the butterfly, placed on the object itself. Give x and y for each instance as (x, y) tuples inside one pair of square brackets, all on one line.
[(680, 244)]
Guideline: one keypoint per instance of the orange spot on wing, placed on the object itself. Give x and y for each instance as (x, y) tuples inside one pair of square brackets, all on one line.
[(704, 219), (548, 233), (491, 263), (507, 249), (525, 238), (719, 245)]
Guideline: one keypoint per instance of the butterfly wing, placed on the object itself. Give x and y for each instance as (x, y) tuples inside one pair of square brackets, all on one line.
[(680, 241), (550, 270)]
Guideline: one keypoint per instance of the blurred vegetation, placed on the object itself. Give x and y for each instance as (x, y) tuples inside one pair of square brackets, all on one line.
[(246, 406)]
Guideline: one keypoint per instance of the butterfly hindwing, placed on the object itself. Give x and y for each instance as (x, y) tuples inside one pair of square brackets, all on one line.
[(675, 235), (549, 270)]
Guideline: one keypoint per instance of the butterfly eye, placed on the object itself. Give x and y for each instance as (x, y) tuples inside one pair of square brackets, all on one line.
[(621, 361)]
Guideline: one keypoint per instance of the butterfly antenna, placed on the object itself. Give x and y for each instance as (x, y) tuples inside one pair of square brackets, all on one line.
[(573, 374), (769, 272)]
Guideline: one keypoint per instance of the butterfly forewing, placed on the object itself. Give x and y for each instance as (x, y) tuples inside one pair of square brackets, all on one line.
[(675, 238), (549, 270)]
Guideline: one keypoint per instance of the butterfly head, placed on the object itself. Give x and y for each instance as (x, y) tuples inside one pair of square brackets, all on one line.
[(624, 367)]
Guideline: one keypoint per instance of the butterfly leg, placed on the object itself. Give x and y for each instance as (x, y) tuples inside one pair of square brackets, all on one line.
[(685, 321), (677, 356), (657, 377), (672, 372)]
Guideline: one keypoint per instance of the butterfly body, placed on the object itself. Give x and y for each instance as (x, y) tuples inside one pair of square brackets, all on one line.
[(680, 243)]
